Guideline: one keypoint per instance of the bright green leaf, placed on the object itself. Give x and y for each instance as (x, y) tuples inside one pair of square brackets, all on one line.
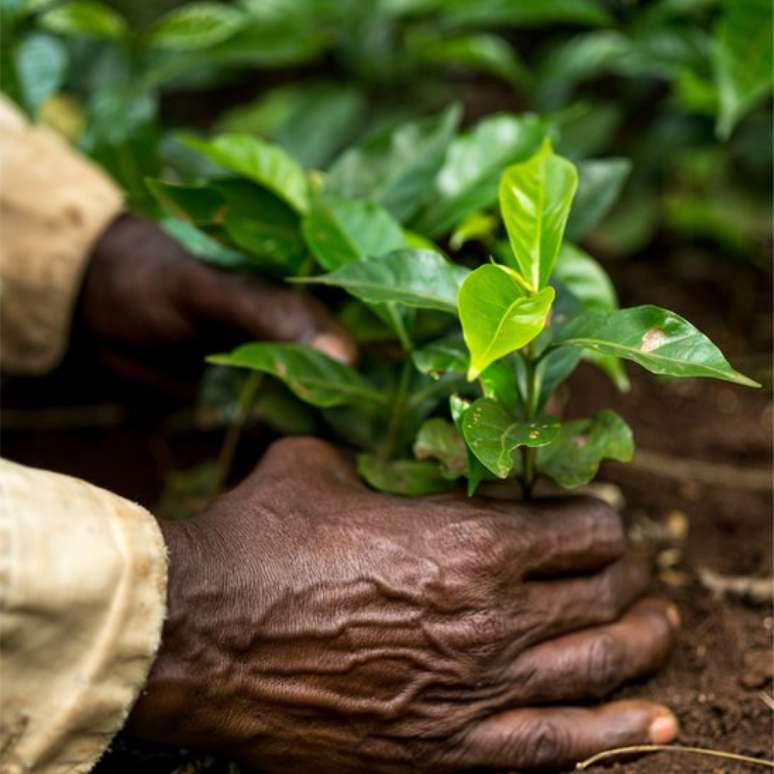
[(396, 167), (196, 26), (585, 279), (475, 226), (438, 439), (497, 315), (574, 458), (416, 278), (310, 375), (84, 17), (494, 435), (410, 478), (468, 179), (259, 161), (660, 341), (535, 199)]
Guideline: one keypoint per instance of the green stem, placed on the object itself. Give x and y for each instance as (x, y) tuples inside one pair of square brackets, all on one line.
[(398, 408), (529, 453), (230, 442)]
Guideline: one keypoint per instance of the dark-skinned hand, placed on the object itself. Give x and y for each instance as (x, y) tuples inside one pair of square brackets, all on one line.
[(315, 625), (145, 298)]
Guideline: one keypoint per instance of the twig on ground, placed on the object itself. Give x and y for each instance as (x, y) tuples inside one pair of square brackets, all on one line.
[(766, 699), (712, 473), (757, 590), (649, 748)]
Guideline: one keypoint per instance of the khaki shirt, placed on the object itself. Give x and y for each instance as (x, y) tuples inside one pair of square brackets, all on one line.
[(82, 571)]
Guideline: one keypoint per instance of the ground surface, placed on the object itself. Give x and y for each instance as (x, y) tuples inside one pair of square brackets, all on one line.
[(720, 673)]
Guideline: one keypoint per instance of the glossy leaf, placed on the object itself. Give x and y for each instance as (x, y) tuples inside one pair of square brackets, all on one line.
[(574, 457), (410, 478), (535, 199), (396, 167), (84, 17), (447, 355), (497, 315), (599, 184), (41, 67), (438, 439), (196, 26), (339, 230), (659, 340), (468, 180), (500, 382), (416, 278), (494, 435), (553, 370), (476, 471), (203, 246), (312, 376), (198, 203), (585, 279), (259, 161), (743, 59)]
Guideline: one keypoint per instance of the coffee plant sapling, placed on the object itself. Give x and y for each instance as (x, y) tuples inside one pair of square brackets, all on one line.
[(463, 361)]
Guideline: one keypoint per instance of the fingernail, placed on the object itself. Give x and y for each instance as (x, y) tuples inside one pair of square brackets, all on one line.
[(332, 345), (673, 616), (663, 729)]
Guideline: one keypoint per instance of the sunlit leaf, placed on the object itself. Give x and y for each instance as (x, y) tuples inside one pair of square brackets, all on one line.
[(497, 315), (574, 457), (310, 375), (84, 17), (196, 26), (659, 340), (494, 435), (535, 199)]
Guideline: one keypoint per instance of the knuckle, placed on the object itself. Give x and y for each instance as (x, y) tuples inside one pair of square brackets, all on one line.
[(543, 743), (605, 664)]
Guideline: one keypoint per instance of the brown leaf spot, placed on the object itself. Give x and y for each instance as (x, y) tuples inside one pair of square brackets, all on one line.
[(653, 339), (580, 441)]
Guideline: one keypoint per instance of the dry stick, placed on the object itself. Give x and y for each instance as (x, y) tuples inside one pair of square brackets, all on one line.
[(227, 451), (766, 699), (647, 748), (712, 473)]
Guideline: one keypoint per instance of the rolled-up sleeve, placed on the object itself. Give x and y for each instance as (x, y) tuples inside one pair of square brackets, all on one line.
[(82, 600), (54, 205)]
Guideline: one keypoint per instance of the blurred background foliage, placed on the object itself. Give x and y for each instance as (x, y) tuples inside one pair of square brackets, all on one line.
[(682, 88)]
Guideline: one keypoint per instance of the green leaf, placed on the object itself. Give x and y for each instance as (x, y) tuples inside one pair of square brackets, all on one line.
[(196, 26), (574, 457), (339, 230), (474, 226), (438, 439), (410, 478), (500, 382), (585, 279), (599, 184), (396, 167), (553, 370), (468, 179), (525, 13), (535, 199), (259, 161), (203, 246), (84, 17), (443, 356), (312, 376), (660, 341), (198, 203), (476, 471), (497, 315), (743, 59), (41, 66), (494, 435), (417, 278)]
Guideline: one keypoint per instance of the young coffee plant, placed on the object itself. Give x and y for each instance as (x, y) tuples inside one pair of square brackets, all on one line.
[(463, 361)]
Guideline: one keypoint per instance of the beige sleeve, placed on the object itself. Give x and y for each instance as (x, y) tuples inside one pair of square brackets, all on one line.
[(82, 601), (54, 204)]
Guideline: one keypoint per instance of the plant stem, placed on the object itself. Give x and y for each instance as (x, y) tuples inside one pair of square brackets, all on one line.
[(228, 449), (529, 453), (398, 407)]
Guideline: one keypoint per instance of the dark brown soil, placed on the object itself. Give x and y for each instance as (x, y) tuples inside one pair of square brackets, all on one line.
[(720, 673)]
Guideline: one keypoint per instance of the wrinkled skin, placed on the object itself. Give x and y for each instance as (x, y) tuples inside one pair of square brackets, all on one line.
[(315, 625), (145, 298)]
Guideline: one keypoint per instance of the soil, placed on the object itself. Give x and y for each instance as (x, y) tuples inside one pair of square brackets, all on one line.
[(720, 674)]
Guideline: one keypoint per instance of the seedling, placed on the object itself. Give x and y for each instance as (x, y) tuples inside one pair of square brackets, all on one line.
[(461, 366)]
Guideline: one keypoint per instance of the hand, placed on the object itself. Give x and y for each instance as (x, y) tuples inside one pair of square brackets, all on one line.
[(145, 296), (315, 625)]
